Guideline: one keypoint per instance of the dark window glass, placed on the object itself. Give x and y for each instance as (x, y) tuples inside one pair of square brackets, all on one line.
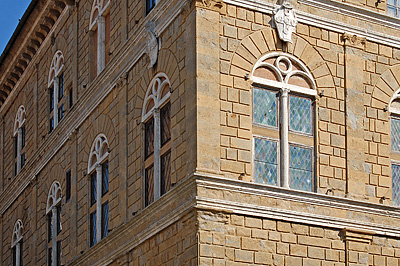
[(93, 192), (51, 124), (60, 87), (16, 146), (15, 168), (22, 159), (23, 136), (21, 253), (68, 185), (59, 226), (149, 138), (14, 256), (150, 4), (92, 229), (71, 99), (59, 253), (51, 99), (49, 225), (165, 123), (166, 173), (149, 185), (49, 256), (104, 220), (61, 112), (104, 179)]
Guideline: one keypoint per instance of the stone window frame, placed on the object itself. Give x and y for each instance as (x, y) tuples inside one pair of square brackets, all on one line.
[(98, 158), (54, 225), (55, 85), (19, 139), (16, 243), (99, 25), (394, 113), (157, 97), (285, 89)]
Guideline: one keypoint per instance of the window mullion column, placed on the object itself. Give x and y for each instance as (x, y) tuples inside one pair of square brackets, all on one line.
[(98, 202), (54, 234), (284, 138), (157, 151), (55, 101), (19, 147), (17, 254), (101, 47)]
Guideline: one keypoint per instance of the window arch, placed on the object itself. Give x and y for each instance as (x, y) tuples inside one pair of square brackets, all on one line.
[(283, 122), (54, 226), (100, 26), (19, 139), (56, 90), (98, 168), (156, 116), (16, 243)]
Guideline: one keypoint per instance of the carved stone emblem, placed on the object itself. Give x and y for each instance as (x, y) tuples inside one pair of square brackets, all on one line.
[(152, 45), (285, 21)]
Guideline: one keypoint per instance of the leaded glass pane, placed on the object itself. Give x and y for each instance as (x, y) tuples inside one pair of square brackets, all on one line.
[(395, 134), (300, 168), (104, 220), (149, 138), (396, 184), (93, 190), (92, 228), (300, 114), (59, 225), (49, 226), (166, 173), (165, 114), (265, 161), (61, 87), (23, 137), (264, 107), (149, 185), (105, 178)]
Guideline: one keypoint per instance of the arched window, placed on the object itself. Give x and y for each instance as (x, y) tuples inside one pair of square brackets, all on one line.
[(283, 122), (56, 90), (99, 184), (54, 227), (19, 140), (156, 116), (100, 27), (16, 244), (394, 108)]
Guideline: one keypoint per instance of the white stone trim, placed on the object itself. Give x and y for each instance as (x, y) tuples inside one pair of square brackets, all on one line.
[(57, 65), (54, 196), (19, 119), (101, 7), (98, 152)]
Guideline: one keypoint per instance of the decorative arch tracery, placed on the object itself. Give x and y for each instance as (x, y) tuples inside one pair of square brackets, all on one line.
[(99, 7), (54, 196), (19, 119), (56, 67), (98, 151), (17, 233)]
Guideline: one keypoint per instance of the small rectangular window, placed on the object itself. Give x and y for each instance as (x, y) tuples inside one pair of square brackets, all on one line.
[(104, 179), (60, 87), (68, 185), (93, 191), (149, 185), (149, 138), (166, 184), (104, 220), (165, 117), (92, 229)]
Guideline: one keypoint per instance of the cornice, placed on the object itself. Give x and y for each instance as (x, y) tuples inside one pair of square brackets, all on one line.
[(358, 13), (95, 93)]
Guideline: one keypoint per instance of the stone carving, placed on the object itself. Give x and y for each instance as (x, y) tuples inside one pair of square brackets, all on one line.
[(152, 45), (285, 21), (354, 40)]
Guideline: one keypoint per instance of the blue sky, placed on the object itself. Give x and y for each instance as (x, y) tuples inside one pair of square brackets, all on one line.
[(10, 12)]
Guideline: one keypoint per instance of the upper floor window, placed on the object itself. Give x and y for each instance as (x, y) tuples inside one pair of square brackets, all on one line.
[(19, 140), (54, 226), (393, 8), (57, 101), (156, 116), (100, 27), (16, 244), (394, 108), (283, 122), (150, 4), (99, 186)]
